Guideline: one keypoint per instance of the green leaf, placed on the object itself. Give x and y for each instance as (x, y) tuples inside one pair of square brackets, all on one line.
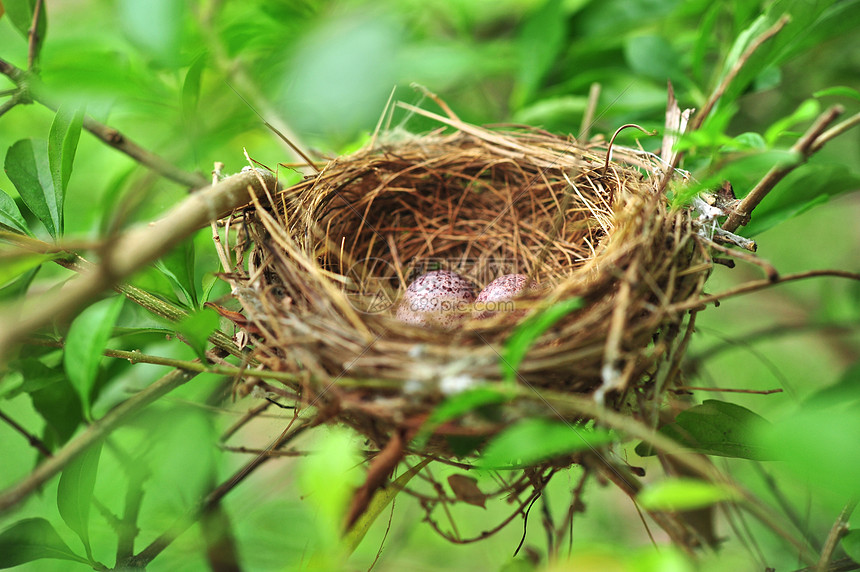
[(851, 544), (807, 110), (838, 91), (458, 405), (31, 539), (87, 338), (62, 145), (19, 286), (28, 167), (196, 329), (683, 494), (191, 88), (534, 440), (178, 267), (716, 428), (805, 187), (541, 39), (10, 215), (56, 401), (19, 263), (75, 493), (517, 346)]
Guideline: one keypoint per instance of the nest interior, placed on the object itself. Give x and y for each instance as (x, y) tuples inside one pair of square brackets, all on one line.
[(332, 254)]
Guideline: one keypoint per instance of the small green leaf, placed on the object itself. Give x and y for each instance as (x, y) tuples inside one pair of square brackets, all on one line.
[(683, 494), (191, 88), (716, 428), (19, 286), (31, 539), (29, 169), (178, 266), (851, 544), (838, 91), (529, 331), (15, 266), (196, 329), (807, 110), (458, 405), (534, 440), (805, 187), (87, 338), (62, 145), (10, 215), (56, 401), (466, 401), (75, 493)]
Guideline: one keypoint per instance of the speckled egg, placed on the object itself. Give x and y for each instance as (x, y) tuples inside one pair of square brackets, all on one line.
[(498, 294), (439, 299)]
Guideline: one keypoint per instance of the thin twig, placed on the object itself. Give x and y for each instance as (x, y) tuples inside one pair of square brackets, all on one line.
[(728, 390), (837, 531), (34, 441), (111, 136), (804, 147), (119, 415), (9, 104), (836, 131), (700, 117), (33, 37), (755, 285)]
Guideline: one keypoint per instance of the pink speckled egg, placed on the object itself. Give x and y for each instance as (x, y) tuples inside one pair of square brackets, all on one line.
[(499, 295), (440, 299)]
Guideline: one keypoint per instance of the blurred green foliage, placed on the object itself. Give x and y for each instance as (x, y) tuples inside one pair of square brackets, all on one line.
[(186, 80)]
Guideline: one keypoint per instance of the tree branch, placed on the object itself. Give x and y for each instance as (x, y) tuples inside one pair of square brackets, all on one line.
[(109, 135), (127, 254), (804, 147)]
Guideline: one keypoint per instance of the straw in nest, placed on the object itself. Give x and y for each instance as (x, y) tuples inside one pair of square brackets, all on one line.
[(332, 253)]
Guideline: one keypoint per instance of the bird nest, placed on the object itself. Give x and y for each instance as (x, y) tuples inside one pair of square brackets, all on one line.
[(332, 256)]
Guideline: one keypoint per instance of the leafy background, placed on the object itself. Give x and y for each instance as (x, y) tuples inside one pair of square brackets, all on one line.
[(173, 75)]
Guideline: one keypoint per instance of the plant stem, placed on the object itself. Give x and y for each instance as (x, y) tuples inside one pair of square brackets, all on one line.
[(128, 253), (109, 135), (804, 147)]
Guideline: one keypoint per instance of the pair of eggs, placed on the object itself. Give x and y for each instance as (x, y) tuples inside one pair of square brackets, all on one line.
[(443, 299)]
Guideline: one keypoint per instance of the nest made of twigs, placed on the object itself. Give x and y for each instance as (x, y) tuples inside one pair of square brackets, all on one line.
[(332, 254)]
